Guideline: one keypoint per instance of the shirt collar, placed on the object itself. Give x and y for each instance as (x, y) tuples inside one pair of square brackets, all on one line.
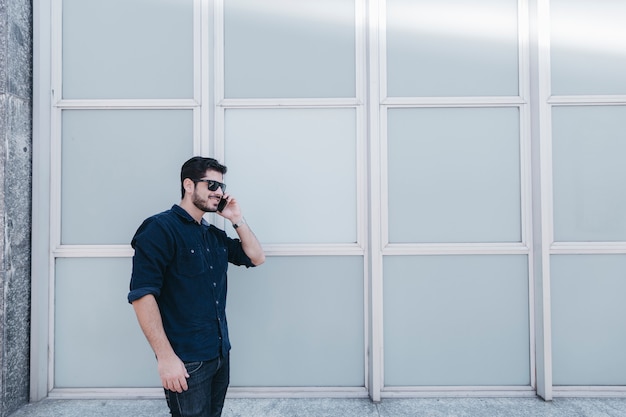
[(182, 213)]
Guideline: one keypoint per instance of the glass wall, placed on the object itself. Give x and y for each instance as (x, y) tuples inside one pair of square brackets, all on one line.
[(453, 107), (135, 105), (456, 320), (381, 151), (291, 126), (588, 110), (124, 121)]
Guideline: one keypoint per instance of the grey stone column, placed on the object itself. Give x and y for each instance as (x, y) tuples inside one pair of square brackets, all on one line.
[(15, 201)]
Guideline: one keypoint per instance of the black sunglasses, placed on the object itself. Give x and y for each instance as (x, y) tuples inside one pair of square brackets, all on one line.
[(213, 185)]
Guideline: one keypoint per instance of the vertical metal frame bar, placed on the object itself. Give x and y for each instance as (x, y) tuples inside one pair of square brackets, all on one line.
[(361, 167), (218, 85), (55, 172), (527, 169), (204, 86), (542, 206), (42, 30), (376, 65), (198, 69), (216, 148)]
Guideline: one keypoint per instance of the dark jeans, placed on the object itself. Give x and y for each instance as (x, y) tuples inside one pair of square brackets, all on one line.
[(207, 383)]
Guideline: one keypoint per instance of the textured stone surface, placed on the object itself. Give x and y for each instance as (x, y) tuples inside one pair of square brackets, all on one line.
[(315, 407), (19, 39), (16, 254), (503, 407), (15, 200), (423, 407), (3, 46)]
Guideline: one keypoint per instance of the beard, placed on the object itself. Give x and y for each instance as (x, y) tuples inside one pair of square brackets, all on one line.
[(203, 205)]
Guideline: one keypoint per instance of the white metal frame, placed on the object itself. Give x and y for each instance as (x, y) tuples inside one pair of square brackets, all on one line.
[(56, 106), (550, 246), (375, 32), (540, 80), (371, 104), (521, 102), (40, 250), (321, 249), (545, 102), (204, 14)]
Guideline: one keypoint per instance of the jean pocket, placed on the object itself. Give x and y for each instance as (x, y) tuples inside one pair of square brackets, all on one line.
[(193, 367)]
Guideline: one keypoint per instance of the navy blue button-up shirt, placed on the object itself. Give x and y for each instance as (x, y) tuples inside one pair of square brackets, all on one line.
[(183, 264)]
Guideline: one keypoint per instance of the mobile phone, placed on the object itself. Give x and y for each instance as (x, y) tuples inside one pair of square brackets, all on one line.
[(221, 204)]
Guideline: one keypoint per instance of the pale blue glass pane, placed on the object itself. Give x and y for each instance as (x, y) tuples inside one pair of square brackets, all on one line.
[(289, 48), (119, 167), (97, 340), (294, 172), (452, 48), (587, 46), (127, 49), (589, 173), (454, 175), (456, 320), (297, 321), (588, 310)]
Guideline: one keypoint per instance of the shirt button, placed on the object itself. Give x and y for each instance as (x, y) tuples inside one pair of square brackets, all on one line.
[(215, 284), (217, 302), (192, 251), (211, 267)]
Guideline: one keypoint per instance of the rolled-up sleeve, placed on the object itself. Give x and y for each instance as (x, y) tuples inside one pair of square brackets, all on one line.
[(236, 254), (153, 252)]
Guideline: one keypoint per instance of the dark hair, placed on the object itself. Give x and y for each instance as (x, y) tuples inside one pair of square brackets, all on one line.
[(196, 167)]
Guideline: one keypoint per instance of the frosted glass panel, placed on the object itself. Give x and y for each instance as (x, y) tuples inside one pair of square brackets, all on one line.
[(98, 342), (587, 45), (119, 167), (294, 171), (588, 311), (127, 49), (454, 175), (297, 321), (589, 173), (289, 48), (452, 48), (456, 320)]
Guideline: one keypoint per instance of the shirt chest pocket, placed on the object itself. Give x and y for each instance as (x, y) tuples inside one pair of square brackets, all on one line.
[(191, 261), (219, 261)]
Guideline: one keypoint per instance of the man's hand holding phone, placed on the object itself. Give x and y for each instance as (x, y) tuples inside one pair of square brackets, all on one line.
[(228, 208)]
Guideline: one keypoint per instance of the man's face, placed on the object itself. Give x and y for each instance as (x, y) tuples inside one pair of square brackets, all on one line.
[(205, 199)]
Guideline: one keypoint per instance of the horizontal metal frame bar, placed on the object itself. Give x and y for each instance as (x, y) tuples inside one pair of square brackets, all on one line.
[(290, 102), (451, 249), (491, 101), (283, 249), (233, 392), (128, 104), (590, 391), (458, 391), (583, 248), (587, 100)]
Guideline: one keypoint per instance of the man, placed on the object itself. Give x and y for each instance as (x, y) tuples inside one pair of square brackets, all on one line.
[(178, 288)]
